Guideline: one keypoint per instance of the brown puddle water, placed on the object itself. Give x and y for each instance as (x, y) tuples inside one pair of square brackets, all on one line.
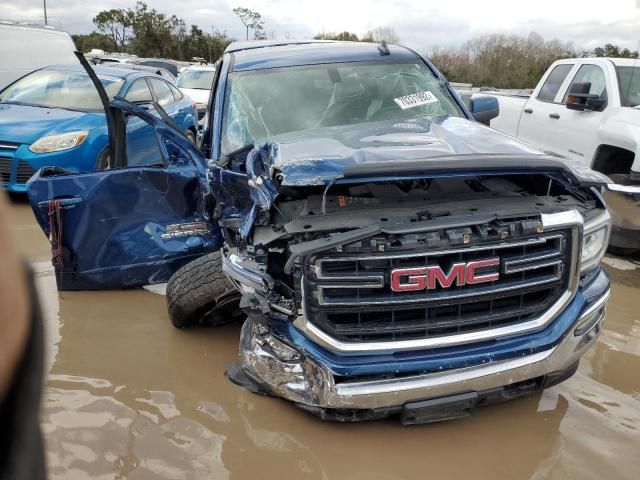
[(129, 396)]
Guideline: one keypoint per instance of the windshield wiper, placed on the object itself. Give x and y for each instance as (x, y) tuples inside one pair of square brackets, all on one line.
[(53, 107), (10, 102)]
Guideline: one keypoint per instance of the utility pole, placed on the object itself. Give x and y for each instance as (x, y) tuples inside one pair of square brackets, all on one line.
[(45, 12)]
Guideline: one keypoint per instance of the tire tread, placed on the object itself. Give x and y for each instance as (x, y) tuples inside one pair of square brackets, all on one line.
[(194, 289)]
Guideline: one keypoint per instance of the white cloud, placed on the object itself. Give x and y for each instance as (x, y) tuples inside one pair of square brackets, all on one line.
[(420, 24)]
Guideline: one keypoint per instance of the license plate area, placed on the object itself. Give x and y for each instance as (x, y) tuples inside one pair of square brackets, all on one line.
[(439, 409)]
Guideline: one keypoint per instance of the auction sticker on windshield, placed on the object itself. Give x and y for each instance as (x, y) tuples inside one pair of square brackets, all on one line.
[(415, 100)]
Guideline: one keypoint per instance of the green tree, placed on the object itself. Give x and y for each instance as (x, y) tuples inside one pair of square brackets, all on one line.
[(116, 23), (154, 33), (85, 43), (251, 20), (218, 41), (614, 51), (204, 45), (148, 33)]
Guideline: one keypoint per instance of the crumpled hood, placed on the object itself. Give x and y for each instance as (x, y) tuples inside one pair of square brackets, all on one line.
[(420, 147), (320, 156), (24, 124)]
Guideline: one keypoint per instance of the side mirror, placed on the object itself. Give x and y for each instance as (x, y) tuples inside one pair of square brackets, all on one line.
[(484, 108), (580, 99)]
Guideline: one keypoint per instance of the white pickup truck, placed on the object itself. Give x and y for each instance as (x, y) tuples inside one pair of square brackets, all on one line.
[(587, 109)]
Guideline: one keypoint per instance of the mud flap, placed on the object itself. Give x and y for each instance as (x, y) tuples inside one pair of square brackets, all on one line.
[(439, 409)]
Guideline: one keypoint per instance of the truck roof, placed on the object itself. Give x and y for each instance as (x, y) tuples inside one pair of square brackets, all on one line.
[(5, 23), (271, 54), (617, 61)]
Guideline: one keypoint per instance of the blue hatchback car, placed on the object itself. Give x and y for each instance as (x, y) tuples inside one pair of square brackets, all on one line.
[(54, 117)]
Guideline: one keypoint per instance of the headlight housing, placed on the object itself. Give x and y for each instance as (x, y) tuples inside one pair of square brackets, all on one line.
[(57, 143), (595, 241)]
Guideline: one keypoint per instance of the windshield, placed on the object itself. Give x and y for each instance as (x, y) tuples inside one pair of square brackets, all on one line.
[(60, 89), (629, 82), (197, 79), (261, 104)]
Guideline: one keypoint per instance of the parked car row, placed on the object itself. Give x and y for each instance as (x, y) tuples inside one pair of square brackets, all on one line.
[(51, 115), (54, 117), (195, 82)]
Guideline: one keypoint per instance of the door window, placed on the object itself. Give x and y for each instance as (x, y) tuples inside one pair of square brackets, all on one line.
[(629, 84), (553, 82), (139, 92), (593, 75), (161, 91)]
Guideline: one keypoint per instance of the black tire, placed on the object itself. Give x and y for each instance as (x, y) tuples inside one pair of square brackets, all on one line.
[(190, 136), (104, 160), (199, 293)]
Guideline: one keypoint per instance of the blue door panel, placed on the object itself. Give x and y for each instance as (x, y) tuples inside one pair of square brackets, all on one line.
[(125, 227)]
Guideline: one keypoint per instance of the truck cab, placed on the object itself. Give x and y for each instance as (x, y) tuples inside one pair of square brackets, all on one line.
[(588, 110)]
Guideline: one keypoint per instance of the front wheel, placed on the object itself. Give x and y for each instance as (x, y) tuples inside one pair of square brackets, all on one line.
[(190, 136), (199, 293)]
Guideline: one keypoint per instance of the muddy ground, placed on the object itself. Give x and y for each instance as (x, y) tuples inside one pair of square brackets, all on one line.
[(129, 396)]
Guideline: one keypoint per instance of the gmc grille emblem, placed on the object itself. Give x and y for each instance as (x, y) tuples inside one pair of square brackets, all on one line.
[(428, 278)]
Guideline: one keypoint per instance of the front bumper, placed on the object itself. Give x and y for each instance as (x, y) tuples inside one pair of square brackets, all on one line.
[(18, 164), (271, 364), (623, 202)]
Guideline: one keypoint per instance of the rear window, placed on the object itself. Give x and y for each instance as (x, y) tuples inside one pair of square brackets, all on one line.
[(553, 82), (196, 79), (629, 83), (60, 89), (161, 91), (139, 92)]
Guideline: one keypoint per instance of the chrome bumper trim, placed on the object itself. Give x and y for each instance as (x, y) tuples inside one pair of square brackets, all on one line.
[(233, 266), (309, 383), (623, 202)]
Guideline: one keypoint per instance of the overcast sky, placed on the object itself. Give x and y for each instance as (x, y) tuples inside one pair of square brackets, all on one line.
[(421, 24)]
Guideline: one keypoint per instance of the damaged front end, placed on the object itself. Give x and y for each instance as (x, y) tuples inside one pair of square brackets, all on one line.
[(370, 286)]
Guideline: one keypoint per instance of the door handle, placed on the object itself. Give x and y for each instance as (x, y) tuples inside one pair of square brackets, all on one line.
[(528, 110), (554, 116), (63, 202)]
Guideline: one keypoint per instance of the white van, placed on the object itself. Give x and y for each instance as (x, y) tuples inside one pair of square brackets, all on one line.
[(24, 48)]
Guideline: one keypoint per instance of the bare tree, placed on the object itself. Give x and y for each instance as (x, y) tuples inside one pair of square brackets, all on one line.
[(500, 60), (251, 20), (378, 34)]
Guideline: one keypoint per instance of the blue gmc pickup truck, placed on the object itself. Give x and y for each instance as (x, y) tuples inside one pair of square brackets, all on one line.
[(389, 254)]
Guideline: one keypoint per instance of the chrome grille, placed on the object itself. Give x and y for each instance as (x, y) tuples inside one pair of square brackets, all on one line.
[(5, 170), (349, 296), (24, 172)]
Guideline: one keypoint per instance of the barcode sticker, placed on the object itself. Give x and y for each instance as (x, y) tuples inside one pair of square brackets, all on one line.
[(415, 100)]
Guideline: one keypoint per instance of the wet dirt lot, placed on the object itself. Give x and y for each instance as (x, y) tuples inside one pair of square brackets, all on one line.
[(129, 396)]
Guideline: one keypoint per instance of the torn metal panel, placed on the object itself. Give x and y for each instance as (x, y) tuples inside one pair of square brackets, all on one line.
[(264, 191), (125, 228)]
